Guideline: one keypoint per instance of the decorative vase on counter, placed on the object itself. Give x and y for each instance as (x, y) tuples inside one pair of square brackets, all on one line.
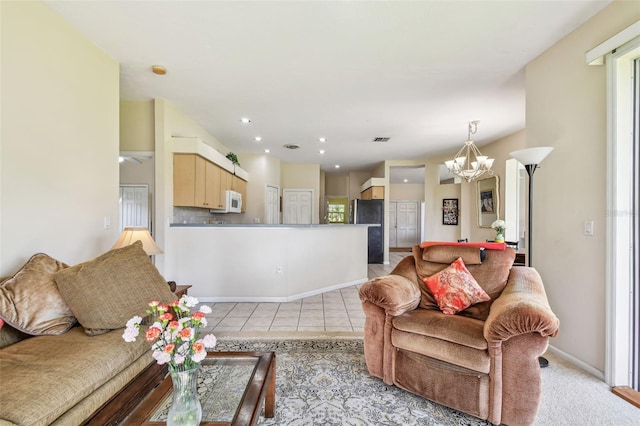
[(185, 407), (499, 238)]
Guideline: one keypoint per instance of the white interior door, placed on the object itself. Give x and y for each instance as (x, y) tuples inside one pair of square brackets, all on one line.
[(272, 210), (134, 206), (393, 242), (407, 223), (297, 205)]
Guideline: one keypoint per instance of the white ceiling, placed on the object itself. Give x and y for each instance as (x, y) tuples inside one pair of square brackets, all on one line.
[(349, 71)]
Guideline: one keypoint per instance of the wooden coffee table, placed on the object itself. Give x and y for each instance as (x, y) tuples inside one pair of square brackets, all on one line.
[(234, 384)]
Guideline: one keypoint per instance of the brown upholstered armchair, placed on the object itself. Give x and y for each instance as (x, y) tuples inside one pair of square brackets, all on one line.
[(482, 361)]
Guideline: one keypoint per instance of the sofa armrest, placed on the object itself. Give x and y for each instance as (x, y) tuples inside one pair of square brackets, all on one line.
[(521, 308), (393, 293)]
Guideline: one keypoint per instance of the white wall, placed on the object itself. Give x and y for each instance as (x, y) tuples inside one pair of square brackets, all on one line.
[(59, 162), (566, 109), (268, 263)]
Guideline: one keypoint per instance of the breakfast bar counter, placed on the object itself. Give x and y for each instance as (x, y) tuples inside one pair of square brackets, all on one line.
[(265, 263)]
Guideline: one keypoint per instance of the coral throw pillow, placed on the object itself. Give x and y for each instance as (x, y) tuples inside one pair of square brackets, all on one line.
[(455, 289)]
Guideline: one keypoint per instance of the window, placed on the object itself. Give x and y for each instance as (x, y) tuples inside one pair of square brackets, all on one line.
[(337, 210)]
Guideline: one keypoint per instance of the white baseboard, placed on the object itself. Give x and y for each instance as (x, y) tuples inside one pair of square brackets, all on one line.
[(258, 299), (575, 361)]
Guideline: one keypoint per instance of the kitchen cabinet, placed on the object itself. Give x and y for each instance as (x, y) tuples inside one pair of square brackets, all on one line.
[(240, 185), (373, 193), (196, 182)]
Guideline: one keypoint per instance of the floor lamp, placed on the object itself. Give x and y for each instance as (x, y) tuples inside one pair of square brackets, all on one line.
[(530, 159)]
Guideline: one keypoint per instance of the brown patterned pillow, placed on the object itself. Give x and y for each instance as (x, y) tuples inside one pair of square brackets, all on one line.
[(106, 292), (30, 301)]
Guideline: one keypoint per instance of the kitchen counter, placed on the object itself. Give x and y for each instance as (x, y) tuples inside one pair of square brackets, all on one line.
[(265, 263), (264, 225)]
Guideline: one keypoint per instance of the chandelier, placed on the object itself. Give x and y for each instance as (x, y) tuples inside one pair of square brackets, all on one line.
[(469, 163)]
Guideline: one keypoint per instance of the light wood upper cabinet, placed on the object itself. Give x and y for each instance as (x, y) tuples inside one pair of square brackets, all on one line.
[(373, 193), (196, 182), (240, 185), (226, 182)]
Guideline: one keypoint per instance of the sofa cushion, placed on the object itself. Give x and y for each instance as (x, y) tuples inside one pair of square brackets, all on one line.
[(30, 301), (43, 377), (448, 254), (491, 275), (455, 289), (455, 329), (106, 292), (10, 335), (454, 339)]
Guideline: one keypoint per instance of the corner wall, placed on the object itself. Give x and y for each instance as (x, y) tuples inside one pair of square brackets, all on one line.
[(59, 140), (566, 109)]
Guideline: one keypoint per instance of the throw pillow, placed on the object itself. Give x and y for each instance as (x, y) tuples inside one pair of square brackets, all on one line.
[(106, 292), (30, 300), (455, 289)]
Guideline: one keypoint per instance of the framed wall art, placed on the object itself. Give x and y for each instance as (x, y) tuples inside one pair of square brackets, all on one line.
[(450, 211)]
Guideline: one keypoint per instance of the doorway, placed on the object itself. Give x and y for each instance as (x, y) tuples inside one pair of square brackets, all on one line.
[(272, 206), (404, 228), (297, 206), (134, 206)]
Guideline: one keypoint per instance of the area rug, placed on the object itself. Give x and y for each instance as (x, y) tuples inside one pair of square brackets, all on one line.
[(326, 382)]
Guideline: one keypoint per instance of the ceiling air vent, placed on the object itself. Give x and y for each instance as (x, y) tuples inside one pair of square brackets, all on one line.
[(291, 146), (381, 139)]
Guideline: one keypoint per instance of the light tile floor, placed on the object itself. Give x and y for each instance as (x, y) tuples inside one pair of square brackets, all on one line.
[(338, 310)]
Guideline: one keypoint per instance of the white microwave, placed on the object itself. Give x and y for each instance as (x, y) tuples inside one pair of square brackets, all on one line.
[(233, 203)]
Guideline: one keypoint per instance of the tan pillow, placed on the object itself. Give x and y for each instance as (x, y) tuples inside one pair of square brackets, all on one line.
[(106, 292), (30, 300)]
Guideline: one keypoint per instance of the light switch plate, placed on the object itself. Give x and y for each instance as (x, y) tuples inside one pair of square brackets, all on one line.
[(588, 228)]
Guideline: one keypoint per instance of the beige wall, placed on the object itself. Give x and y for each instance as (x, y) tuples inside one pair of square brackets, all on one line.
[(336, 184), (59, 140), (566, 109), (136, 126), (406, 192), (356, 180), (303, 176), (263, 170)]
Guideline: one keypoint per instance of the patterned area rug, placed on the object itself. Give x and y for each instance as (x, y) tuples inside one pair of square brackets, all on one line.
[(326, 382)]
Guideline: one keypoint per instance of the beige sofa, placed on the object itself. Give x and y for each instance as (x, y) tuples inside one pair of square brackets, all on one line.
[(62, 356), (482, 360)]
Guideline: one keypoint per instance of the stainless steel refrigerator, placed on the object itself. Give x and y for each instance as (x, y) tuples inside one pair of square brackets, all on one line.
[(371, 212)]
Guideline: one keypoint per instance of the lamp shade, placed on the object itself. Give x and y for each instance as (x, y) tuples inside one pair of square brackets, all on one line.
[(131, 235), (531, 155)]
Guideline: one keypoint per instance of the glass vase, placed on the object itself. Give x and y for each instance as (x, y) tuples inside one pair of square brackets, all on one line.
[(185, 407), (499, 238)]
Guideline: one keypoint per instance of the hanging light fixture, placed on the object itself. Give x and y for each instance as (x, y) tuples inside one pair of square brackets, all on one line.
[(469, 163)]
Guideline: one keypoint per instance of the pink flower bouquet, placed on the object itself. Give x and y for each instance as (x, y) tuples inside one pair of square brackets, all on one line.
[(175, 333)]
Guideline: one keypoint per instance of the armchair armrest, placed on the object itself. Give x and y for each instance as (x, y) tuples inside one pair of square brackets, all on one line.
[(521, 308), (393, 293)]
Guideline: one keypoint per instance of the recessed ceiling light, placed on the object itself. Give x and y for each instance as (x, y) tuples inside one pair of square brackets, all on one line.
[(159, 69), (258, 138), (266, 151), (321, 151), (406, 180), (322, 139), (245, 120), (337, 166)]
